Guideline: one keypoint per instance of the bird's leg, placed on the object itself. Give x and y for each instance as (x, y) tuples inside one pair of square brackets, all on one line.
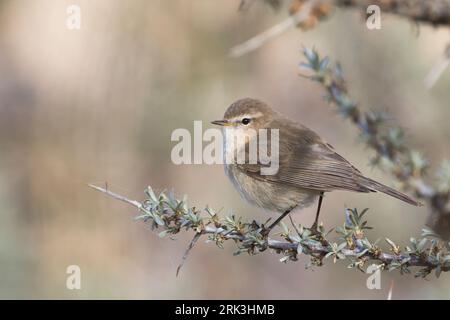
[(295, 227), (267, 230), (316, 221)]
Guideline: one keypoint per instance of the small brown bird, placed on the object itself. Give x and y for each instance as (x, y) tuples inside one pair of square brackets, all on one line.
[(308, 166)]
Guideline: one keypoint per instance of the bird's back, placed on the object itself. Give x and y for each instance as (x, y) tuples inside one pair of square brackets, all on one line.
[(308, 166)]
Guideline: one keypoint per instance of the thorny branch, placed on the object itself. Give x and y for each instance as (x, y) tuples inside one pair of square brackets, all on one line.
[(430, 252), (172, 215), (391, 153)]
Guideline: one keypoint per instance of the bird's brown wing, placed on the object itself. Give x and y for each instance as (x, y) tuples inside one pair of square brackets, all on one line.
[(306, 161), (319, 168)]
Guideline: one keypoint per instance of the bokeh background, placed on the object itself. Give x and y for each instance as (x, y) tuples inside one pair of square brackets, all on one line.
[(100, 103)]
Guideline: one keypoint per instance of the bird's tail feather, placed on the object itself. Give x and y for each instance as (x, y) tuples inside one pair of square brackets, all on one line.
[(376, 186)]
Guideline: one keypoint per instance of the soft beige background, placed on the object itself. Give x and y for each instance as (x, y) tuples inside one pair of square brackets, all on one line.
[(99, 104)]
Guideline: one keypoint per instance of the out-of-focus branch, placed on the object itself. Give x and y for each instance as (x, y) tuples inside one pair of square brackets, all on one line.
[(438, 69), (172, 215), (391, 154), (435, 12), (305, 14), (274, 31)]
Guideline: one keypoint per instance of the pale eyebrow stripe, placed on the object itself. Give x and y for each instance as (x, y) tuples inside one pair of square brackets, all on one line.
[(254, 115)]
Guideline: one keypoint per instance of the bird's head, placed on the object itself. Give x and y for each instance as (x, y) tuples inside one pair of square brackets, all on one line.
[(247, 114)]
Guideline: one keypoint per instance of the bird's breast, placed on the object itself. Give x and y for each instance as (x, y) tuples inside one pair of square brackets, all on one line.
[(269, 195)]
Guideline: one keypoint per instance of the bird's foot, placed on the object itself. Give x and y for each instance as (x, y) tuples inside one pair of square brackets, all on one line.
[(315, 229), (265, 232)]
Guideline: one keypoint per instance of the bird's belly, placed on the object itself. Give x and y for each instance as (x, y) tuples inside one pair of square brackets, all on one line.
[(268, 195)]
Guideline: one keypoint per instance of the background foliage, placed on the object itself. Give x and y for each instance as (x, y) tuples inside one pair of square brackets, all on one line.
[(99, 104)]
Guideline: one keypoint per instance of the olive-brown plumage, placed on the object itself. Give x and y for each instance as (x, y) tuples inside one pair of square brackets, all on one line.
[(308, 166)]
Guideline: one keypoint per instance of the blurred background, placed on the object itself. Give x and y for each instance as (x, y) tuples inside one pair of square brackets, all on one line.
[(100, 103)]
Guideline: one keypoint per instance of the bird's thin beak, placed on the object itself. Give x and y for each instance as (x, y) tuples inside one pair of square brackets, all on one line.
[(221, 122)]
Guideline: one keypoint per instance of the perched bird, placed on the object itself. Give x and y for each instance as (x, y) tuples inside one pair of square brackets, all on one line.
[(308, 166)]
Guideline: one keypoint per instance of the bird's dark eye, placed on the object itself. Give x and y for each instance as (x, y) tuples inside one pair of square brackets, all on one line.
[(245, 121)]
